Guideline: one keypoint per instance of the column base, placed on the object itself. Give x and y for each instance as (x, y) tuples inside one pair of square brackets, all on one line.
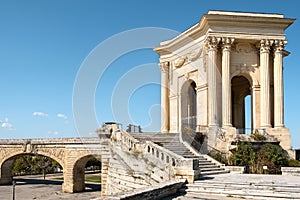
[(283, 136), (279, 126), (227, 126), (265, 127)]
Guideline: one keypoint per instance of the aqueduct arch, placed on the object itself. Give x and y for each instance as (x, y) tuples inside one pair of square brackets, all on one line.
[(71, 153), (7, 164)]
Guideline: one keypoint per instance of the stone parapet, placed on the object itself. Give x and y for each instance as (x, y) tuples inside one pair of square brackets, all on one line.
[(157, 191), (236, 169), (290, 171)]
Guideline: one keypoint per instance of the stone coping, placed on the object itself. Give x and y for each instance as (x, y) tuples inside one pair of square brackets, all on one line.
[(236, 169), (84, 140), (290, 171), (157, 191)]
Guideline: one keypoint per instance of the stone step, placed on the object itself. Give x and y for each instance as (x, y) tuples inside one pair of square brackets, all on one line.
[(214, 172), (176, 148), (270, 195), (214, 168), (205, 163), (251, 186), (245, 187), (210, 165)]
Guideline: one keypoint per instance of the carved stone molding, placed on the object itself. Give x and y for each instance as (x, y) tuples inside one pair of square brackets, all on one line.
[(227, 43), (164, 66), (179, 62), (189, 57), (194, 55), (279, 46), (265, 45), (212, 42), (243, 68), (245, 49)]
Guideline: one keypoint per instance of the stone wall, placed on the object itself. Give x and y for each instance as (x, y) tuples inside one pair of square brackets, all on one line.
[(157, 191), (134, 164)]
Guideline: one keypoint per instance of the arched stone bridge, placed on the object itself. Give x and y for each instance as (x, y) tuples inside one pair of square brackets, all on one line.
[(71, 153)]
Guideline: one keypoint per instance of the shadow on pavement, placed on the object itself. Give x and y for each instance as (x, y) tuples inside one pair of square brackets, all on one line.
[(90, 187)]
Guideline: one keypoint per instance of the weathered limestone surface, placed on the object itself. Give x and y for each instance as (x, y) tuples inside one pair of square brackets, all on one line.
[(136, 164), (224, 58), (157, 191), (290, 171), (71, 153)]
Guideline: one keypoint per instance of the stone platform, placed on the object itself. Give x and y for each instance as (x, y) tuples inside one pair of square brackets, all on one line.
[(243, 186)]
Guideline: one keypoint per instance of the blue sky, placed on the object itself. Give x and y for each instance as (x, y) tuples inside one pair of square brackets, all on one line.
[(43, 44)]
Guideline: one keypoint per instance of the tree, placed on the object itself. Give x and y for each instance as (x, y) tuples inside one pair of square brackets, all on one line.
[(34, 164)]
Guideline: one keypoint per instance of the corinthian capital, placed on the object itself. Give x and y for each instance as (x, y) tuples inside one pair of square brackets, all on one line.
[(164, 66), (212, 42), (279, 46), (265, 45), (227, 43)]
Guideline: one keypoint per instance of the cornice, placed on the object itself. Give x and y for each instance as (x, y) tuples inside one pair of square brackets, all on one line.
[(212, 20)]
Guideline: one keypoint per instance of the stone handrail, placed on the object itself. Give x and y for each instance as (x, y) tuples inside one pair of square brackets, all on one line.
[(128, 141), (164, 155), (149, 148), (187, 168)]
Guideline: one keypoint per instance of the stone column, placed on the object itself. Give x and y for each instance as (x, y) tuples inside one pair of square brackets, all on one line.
[(278, 83), (212, 44), (165, 111), (265, 83), (226, 82)]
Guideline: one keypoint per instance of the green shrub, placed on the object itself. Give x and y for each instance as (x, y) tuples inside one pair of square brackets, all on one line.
[(293, 163), (219, 157), (258, 136), (270, 155)]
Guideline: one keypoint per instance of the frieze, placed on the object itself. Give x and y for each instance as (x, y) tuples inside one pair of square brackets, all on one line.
[(188, 58), (243, 68), (244, 49), (179, 62)]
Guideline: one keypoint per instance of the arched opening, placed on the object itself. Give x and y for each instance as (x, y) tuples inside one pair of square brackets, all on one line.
[(242, 104), (188, 107), (87, 174), (31, 169)]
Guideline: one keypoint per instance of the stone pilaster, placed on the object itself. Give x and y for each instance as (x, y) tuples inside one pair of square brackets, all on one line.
[(212, 44), (265, 112), (226, 82), (165, 110), (278, 83)]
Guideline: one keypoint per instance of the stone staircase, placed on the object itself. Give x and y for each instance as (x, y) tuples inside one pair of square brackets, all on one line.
[(172, 142), (243, 186)]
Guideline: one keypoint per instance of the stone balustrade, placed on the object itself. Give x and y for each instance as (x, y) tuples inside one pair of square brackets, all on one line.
[(186, 168), (156, 152)]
